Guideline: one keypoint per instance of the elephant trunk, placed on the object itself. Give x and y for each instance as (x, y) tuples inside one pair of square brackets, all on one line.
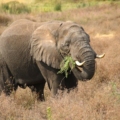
[(86, 71)]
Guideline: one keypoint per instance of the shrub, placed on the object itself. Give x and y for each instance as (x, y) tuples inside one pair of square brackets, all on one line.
[(58, 7), (14, 7)]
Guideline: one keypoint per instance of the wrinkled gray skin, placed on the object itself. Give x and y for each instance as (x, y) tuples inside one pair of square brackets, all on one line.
[(32, 52)]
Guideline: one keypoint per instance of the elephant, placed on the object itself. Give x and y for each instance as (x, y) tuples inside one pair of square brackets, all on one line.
[(32, 52)]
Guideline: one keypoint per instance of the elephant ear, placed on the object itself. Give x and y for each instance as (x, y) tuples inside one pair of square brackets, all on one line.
[(43, 47)]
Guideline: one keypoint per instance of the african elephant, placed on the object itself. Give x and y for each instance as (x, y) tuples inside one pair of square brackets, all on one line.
[(32, 53)]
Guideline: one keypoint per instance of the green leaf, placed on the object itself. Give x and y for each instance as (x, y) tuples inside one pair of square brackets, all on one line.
[(65, 65)]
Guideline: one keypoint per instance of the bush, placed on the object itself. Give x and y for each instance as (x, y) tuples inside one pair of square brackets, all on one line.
[(58, 7), (14, 7)]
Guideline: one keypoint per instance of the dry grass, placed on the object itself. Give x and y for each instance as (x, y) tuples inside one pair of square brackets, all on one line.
[(98, 99)]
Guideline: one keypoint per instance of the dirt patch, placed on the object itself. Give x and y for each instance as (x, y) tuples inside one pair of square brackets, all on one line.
[(104, 36)]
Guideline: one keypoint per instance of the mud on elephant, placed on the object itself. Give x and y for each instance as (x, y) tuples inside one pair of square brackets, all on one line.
[(32, 53)]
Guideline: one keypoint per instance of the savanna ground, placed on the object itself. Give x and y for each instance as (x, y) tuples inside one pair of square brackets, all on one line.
[(97, 99)]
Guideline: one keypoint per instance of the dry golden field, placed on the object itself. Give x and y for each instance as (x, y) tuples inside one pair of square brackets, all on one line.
[(97, 99)]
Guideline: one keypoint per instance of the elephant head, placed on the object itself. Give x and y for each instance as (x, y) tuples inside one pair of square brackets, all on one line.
[(51, 42)]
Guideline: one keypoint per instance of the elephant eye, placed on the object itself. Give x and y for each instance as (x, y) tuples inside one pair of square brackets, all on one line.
[(66, 44), (61, 24)]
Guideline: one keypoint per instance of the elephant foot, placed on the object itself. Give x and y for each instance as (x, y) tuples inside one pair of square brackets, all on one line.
[(41, 97), (39, 89)]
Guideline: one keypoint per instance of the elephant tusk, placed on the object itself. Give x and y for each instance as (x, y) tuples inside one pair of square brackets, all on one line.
[(79, 64), (100, 56)]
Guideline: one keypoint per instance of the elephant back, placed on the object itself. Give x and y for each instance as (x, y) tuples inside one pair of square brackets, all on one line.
[(15, 47)]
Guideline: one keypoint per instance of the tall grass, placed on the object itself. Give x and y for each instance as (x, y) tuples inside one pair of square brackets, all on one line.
[(98, 99), (14, 7), (20, 6)]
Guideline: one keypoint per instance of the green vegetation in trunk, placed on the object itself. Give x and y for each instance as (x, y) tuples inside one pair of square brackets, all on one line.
[(65, 65)]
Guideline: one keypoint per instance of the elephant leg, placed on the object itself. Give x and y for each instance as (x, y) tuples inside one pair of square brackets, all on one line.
[(71, 82), (39, 89), (8, 83), (55, 81), (6, 79), (57, 84), (1, 81)]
